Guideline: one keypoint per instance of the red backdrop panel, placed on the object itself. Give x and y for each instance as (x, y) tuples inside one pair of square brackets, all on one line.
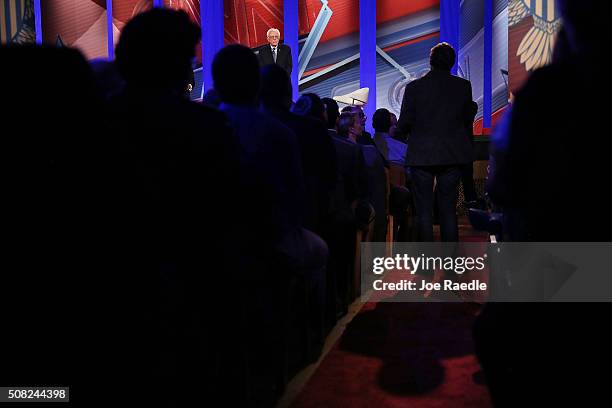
[(247, 21)]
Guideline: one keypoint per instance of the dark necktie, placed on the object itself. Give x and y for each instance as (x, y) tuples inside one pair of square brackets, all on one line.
[(274, 54)]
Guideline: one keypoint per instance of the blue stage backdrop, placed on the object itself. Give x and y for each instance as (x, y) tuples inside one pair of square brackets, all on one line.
[(330, 50), (405, 34), (339, 45)]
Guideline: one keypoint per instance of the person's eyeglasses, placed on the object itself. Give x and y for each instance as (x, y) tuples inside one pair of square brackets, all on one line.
[(274, 36)]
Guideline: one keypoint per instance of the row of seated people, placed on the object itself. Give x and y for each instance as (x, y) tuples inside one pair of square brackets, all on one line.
[(167, 249), (347, 183)]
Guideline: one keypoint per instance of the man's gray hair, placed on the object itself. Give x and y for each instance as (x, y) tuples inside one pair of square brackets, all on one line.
[(273, 30)]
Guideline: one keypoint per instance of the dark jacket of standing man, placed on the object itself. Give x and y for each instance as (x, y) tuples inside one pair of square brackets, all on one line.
[(436, 113), (283, 52)]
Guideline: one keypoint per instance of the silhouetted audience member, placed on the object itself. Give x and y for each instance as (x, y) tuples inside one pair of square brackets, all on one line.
[(393, 129), (316, 147), (391, 149), (173, 164), (309, 104), (435, 113), (378, 192), (107, 77), (333, 113), (318, 159), (394, 152), (549, 181), (271, 167), (350, 209), (270, 162), (53, 281), (378, 187), (349, 126), (365, 138)]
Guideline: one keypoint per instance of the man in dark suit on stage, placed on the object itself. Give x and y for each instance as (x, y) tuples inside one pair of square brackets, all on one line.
[(275, 53), (436, 114)]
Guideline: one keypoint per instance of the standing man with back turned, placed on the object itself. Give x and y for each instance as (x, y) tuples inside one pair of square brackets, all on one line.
[(436, 115), (275, 53)]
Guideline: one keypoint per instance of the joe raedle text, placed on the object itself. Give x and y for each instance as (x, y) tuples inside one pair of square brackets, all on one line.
[(446, 284)]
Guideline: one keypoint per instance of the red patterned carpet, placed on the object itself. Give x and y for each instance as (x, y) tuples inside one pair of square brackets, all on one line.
[(402, 355)]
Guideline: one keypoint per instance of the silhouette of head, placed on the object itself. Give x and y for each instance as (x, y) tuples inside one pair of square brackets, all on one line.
[(442, 57), (333, 112), (236, 77), (65, 89), (381, 121), (357, 110), (309, 104), (276, 89), (156, 48), (349, 126), (582, 24)]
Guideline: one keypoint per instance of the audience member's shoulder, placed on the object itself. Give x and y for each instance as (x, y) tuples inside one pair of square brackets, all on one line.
[(207, 118), (372, 155), (559, 75), (311, 123), (342, 141), (344, 147), (281, 128), (394, 142), (367, 148), (274, 127), (207, 111)]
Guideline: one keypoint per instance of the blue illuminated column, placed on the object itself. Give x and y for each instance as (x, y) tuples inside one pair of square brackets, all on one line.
[(487, 87), (367, 55), (37, 22), (290, 15), (212, 36), (158, 3), (450, 19), (109, 29)]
